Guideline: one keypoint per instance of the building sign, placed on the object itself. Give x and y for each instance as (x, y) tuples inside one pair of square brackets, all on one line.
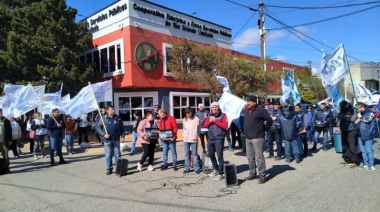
[(146, 56), (93, 23), (180, 23)]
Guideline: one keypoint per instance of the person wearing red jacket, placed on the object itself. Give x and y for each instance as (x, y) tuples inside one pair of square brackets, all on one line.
[(168, 133), (217, 125)]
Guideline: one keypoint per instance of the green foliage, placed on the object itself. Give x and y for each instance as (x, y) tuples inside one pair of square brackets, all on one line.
[(310, 87), (244, 76), (41, 43)]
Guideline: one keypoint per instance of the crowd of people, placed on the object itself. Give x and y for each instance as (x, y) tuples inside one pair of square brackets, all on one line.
[(291, 128)]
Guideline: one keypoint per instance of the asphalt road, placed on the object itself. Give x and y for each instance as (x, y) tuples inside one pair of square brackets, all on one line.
[(318, 183)]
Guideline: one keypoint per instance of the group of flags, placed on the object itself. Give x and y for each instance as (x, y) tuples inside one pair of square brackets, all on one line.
[(20, 99)]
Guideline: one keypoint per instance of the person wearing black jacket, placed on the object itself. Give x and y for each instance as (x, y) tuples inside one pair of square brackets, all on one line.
[(56, 126), (5, 138), (113, 134), (255, 119), (273, 133)]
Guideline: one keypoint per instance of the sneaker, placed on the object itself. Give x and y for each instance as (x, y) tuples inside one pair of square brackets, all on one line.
[(139, 167), (250, 177), (35, 157), (261, 181), (197, 172), (287, 160), (325, 149), (218, 177), (269, 156), (70, 153), (365, 167), (63, 162), (175, 168), (164, 167), (108, 172), (371, 168), (298, 160), (131, 154), (151, 168), (17, 156), (213, 173), (277, 158), (186, 172), (231, 149)]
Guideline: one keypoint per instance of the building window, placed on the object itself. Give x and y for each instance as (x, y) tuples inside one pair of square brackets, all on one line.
[(107, 58), (181, 100), (127, 103), (288, 71), (166, 47)]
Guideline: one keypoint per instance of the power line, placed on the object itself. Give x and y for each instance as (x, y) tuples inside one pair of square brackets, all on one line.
[(324, 7), (329, 19), (244, 25)]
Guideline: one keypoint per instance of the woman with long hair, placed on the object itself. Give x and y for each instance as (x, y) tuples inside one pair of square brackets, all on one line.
[(148, 136), (191, 128), (39, 125)]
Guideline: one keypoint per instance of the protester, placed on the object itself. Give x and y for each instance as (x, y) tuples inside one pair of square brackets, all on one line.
[(254, 130), (217, 125), (70, 134), (56, 126), (235, 131), (83, 131), (273, 133), (289, 125), (147, 139), (331, 123), (157, 118), (16, 134), (368, 131), (113, 133), (347, 117), (28, 124), (310, 129), (201, 114), (5, 138), (39, 126), (191, 128), (321, 119), (303, 125), (97, 119), (167, 124), (135, 135)]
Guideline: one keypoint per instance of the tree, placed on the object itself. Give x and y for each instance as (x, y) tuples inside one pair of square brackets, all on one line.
[(310, 87), (244, 75), (42, 45)]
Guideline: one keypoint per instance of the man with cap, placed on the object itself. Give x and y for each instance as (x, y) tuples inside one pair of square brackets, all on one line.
[(255, 119), (217, 125), (202, 114)]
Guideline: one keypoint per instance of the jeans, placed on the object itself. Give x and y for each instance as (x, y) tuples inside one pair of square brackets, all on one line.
[(4, 152), (165, 148), (134, 139), (255, 155), (331, 132), (216, 145), (274, 136), (55, 143), (194, 149), (367, 152), (294, 145), (111, 148), (70, 142), (318, 131), (39, 142), (309, 135)]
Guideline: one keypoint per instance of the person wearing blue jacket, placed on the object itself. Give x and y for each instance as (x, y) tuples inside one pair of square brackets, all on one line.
[(310, 129), (321, 119), (56, 127), (288, 124), (302, 119), (367, 132), (273, 133)]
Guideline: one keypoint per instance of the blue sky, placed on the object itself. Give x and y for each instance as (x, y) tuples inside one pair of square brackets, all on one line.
[(360, 32)]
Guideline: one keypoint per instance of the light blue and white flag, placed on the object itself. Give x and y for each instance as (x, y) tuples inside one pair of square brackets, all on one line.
[(286, 91), (360, 90), (295, 94), (224, 82), (333, 92), (103, 91), (82, 103), (334, 66), (290, 90), (231, 105)]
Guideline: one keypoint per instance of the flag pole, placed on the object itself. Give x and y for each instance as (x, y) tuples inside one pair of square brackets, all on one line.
[(349, 71), (101, 117)]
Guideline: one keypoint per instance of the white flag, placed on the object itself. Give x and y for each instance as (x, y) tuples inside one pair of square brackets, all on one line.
[(231, 105), (360, 90), (334, 66), (10, 89), (82, 103), (25, 100), (103, 91)]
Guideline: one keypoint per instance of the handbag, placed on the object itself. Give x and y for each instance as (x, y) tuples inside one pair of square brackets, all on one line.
[(32, 134)]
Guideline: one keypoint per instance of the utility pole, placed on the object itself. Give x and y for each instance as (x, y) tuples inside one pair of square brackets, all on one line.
[(262, 34)]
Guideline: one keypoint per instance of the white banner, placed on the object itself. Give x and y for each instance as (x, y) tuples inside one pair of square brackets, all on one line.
[(334, 66), (231, 105), (103, 91), (82, 103), (360, 90)]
